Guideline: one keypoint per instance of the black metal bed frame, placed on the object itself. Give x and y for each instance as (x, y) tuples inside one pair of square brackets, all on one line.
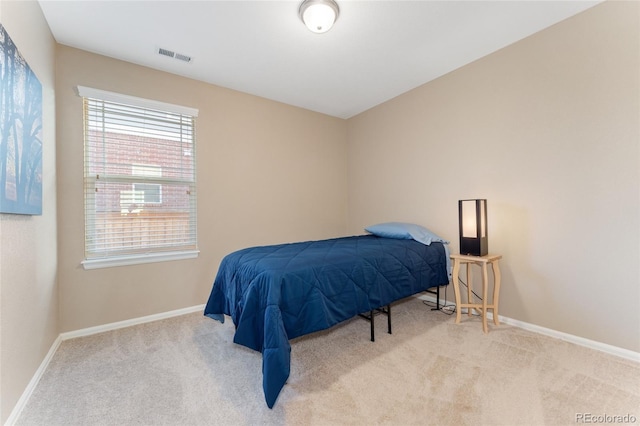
[(387, 311)]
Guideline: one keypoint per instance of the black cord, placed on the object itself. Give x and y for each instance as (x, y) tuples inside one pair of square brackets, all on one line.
[(474, 293), (445, 309), (450, 309)]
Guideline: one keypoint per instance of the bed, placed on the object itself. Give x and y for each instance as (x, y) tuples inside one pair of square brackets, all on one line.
[(280, 292)]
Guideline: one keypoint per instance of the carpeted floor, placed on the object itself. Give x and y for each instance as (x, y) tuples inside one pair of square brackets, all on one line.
[(187, 371)]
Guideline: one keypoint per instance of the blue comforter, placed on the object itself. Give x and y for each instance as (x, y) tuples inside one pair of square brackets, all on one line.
[(276, 293)]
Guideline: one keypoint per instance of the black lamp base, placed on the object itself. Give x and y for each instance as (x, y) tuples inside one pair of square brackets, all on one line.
[(474, 246)]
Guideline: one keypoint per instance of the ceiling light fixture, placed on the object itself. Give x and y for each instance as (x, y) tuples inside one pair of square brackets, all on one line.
[(319, 15)]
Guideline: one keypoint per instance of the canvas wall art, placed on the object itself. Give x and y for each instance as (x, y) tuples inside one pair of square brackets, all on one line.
[(20, 132)]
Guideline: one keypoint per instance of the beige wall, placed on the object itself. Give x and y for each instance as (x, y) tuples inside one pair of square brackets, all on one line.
[(28, 292), (267, 173), (548, 130)]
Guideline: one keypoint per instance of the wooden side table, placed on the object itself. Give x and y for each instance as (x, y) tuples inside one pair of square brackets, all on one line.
[(482, 261)]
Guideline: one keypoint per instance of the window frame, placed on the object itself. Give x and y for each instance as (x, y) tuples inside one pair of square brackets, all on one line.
[(149, 256)]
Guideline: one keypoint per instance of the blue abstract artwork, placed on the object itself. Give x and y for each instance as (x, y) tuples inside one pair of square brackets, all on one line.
[(20, 132)]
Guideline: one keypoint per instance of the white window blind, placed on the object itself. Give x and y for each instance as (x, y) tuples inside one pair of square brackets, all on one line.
[(139, 180)]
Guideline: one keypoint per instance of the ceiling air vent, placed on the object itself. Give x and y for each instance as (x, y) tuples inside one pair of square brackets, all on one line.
[(172, 54), (182, 57), (166, 52)]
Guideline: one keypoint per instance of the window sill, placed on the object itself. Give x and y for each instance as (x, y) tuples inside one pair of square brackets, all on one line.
[(139, 259)]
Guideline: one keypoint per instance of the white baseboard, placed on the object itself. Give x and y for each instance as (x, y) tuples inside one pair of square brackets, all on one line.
[(581, 341), (128, 323), (24, 398), (592, 344), (22, 402)]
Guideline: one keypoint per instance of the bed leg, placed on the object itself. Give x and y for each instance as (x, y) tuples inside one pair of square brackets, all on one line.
[(389, 317), (373, 337), (371, 317), (437, 293)]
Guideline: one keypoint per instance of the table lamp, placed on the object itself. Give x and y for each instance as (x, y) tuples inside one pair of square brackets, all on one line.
[(473, 227)]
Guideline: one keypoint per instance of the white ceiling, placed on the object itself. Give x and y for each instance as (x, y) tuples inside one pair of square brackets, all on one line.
[(375, 51)]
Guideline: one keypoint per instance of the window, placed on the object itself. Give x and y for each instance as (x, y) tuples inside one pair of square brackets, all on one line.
[(150, 192), (139, 180)]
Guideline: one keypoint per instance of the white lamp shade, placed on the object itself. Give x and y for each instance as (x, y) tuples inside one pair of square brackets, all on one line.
[(319, 15), (469, 224)]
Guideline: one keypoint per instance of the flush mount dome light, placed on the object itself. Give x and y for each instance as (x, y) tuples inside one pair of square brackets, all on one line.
[(319, 15)]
